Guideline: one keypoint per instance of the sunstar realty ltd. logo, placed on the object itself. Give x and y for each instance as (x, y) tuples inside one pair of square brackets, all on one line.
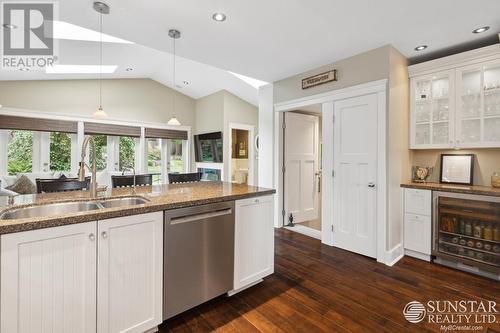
[(28, 35), (453, 315)]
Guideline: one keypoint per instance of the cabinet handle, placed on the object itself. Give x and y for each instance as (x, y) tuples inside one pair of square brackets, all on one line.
[(371, 185), (104, 234), (92, 237)]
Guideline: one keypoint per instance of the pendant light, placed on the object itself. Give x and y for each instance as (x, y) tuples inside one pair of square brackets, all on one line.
[(174, 34), (101, 8)]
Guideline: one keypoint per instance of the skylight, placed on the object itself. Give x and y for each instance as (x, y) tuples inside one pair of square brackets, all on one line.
[(80, 69), (250, 81), (65, 30)]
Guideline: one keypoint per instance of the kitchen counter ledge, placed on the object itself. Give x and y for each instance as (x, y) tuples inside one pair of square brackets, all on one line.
[(161, 197), (475, 189)]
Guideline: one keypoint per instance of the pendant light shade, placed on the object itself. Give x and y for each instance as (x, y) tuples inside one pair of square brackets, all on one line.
[(174, 121), (101, 8)]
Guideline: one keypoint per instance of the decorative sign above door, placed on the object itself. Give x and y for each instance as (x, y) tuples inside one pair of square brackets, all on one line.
[(319, 79)]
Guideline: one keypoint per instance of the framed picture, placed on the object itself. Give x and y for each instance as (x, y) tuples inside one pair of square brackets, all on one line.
[(457, 169)]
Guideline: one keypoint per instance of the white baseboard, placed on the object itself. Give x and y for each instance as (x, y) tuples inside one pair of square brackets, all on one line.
[(417, 255), (153, 330), (235, 291), (394, 255), (302, 229)]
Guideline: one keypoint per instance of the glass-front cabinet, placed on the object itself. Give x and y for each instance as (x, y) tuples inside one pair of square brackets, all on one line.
[(459, 108), (432, 121), (478, 108)]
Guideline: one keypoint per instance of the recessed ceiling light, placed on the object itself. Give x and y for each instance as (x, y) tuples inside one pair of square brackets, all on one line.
[(219, 17), (479, 30), (80, 69), (129, 69), (420, 48), (9, 26)]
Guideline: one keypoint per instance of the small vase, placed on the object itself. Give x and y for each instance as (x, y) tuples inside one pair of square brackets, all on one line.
[(495, 180)]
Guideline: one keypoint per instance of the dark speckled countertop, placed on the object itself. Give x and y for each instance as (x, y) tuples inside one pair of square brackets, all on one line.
[(475, 189), (161, 197)]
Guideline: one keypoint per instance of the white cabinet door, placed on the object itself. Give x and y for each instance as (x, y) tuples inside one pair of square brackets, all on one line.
[(48, 280), (478, 105), (130, 271), (417, 233), (432, 116), (254, 240)]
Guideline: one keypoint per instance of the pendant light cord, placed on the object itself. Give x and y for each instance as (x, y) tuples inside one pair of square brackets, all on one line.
[(173, 83), (100, 60)]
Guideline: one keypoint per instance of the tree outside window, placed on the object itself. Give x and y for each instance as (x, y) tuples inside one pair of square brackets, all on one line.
[(101, 142), (126, 148), (176, 161), (60, 151), (154, 158), (20, 152)]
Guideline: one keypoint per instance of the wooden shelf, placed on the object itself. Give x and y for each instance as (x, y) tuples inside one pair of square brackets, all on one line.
[(470, 215)]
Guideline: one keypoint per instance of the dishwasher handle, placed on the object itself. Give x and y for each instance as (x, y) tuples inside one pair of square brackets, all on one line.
[(203, 216)]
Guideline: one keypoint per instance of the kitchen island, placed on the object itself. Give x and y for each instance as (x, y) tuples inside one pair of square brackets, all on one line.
[(129, 259)]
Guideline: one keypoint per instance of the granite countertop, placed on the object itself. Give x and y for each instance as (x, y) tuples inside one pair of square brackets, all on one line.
[(475, 189), (161, 197)]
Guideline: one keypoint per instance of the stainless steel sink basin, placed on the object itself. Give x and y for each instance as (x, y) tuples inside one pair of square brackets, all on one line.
[(49, 210), (121, 202)]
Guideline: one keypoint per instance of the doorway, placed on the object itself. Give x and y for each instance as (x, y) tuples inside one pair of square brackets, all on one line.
[(302, 147), (353, 167), (241, 151)]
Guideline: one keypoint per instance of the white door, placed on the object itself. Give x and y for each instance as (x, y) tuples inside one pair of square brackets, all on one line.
[(254, 240), (355, 164), (48, 280), (130, 271), (301, 167)]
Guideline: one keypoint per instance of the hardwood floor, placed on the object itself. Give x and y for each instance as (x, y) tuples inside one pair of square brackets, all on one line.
[(317, 288)]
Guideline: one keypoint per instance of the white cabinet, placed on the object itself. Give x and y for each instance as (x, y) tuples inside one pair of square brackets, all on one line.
[(76, 278), (254, 241), (48, 280), (478, 105), (432, 119), (130, 273), (458, 107), (418, 223)]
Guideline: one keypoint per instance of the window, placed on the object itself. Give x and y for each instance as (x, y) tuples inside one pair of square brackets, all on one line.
[(126, 152), (176, 160), (19, 152), (154, 158), (101, 142), (60, 151)]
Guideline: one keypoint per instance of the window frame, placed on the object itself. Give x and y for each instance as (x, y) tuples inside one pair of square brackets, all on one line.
[(41, 145)]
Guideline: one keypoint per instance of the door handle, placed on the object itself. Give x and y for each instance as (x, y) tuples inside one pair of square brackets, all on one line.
[(371, 185)]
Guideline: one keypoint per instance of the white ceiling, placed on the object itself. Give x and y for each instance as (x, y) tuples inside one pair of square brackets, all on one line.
[(266, 39)]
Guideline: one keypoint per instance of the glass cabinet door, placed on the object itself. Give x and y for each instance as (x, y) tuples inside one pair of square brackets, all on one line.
[(478, 112), (431, 111)]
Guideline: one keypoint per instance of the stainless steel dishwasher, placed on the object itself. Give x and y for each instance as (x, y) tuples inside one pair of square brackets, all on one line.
[(198, 256)]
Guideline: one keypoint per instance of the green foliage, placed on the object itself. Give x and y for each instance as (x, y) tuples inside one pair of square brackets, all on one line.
[(20, 152), (60, 151), (154, 155), (126, 152), (101, 142)]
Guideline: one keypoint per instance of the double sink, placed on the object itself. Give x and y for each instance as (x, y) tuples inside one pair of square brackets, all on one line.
[(62, 208)]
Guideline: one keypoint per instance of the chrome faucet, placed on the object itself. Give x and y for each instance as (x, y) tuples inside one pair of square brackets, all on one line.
[(130, 169), (93, 169)]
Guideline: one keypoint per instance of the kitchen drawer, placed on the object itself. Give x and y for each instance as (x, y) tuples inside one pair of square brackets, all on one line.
[(417, 233), (418, 202)]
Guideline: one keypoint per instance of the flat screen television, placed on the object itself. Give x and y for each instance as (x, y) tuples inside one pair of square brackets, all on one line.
[(208, 147)]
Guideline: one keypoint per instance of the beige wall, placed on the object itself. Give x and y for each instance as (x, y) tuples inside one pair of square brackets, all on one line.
[(365, 67), (398, 154), (216, 111), (487, 161), (210, 113), (124, 99)]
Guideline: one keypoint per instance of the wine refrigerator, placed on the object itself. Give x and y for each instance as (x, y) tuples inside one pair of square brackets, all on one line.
[(466, 232)]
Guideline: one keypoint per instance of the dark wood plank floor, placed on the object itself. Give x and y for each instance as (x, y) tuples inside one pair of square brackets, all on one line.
[(317, 288)]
